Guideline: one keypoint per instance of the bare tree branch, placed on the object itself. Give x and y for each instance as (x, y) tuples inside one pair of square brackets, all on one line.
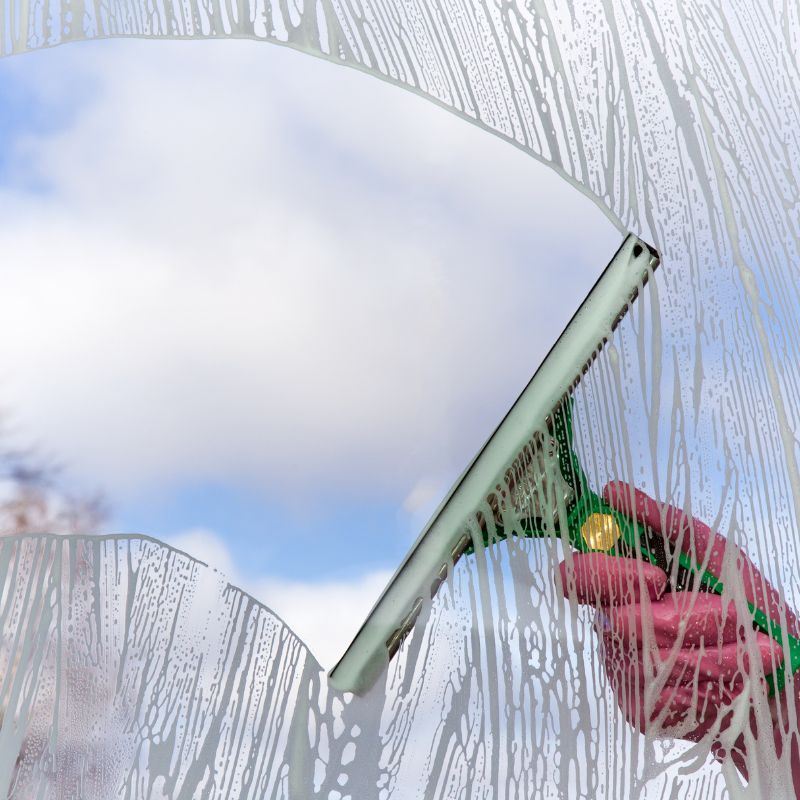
[(33, 498)]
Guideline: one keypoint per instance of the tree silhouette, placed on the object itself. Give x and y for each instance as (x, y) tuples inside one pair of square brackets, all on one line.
[(34, 499)]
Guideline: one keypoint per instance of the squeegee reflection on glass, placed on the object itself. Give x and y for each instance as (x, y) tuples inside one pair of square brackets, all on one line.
[(626, 545)]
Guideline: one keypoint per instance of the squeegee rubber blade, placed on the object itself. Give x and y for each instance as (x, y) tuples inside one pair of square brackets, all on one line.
[(408, 592)]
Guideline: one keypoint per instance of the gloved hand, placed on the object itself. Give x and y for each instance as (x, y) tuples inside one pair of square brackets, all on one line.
[(697, 660)]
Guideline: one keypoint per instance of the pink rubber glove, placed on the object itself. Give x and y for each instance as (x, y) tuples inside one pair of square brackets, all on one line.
[(697, 661)]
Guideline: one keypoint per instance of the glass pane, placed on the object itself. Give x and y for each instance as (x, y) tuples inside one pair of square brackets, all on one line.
[(680, 122)]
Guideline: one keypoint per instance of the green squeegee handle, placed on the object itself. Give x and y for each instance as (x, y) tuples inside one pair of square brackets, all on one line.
[(636, 538), (642, 539)]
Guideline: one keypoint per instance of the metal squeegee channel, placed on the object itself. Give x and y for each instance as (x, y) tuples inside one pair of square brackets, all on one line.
[(444, 538)]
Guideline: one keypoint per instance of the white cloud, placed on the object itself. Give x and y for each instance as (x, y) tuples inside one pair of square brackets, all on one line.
[(326, 615), (420, 498), (206, 546), (248, 265)]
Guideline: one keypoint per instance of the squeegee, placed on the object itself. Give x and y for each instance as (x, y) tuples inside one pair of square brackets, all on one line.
[(529, 464)]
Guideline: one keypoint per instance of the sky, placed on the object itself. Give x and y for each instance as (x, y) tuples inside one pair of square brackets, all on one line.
[(271, 307)]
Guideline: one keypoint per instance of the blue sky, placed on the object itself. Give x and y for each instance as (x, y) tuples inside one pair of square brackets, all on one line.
[(269, 306)]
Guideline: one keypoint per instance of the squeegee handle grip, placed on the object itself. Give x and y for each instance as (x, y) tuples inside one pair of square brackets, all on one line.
[(641, 538), (762, 621), (638, 538)]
